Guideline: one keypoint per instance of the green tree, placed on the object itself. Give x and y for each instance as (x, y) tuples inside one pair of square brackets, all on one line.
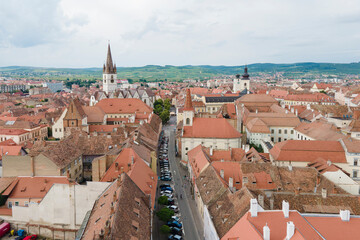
[(165, 116), (165, 214), (163, 200), (158, 110), (165, 229), (167, 104), (159, 102)]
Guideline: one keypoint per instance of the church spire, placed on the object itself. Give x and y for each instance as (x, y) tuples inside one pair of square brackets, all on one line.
[(188, 103), (109, 66)]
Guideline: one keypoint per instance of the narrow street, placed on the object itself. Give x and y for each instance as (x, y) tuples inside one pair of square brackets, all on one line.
[(192, 223)]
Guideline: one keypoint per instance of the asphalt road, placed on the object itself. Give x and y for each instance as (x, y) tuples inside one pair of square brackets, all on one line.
[(189, 215), (192, 223)]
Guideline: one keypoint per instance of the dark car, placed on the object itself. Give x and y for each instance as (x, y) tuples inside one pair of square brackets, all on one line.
[(174, 224), (166, 188), (171, 201), (175, 237), (175, 230), (166, 179), (165, 185)]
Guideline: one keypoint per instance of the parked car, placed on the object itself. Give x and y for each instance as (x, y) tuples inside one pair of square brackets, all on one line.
[(166, 191), (166, 188), (175, 237), (166, 179), (171, 201), (174, 224), (175, 218), (4, 229), (168, 195), (32, 237), (165, 185), (176, 231), (174, 208)]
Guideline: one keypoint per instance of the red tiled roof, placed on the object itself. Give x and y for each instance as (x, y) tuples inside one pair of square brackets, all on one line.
[(12, 132), (123, 106), (32, 187), (210, 128), (308, 151)]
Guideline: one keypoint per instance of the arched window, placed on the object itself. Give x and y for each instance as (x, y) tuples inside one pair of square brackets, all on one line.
[(112, 79), (187, 121)]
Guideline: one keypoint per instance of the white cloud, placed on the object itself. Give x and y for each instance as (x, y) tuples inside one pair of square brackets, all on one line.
[(67, 33)]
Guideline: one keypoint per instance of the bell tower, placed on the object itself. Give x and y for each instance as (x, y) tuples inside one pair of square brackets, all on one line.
[(188, 111), (109, 74)]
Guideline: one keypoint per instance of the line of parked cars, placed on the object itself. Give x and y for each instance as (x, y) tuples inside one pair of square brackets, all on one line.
[(166, 190)]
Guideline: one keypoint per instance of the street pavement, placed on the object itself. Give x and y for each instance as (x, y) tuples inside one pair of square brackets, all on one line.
[(190, 217)]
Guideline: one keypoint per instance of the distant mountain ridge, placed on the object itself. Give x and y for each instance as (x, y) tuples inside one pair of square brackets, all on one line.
[(154, 72)]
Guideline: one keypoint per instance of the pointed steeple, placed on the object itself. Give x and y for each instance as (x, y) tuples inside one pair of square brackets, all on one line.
[(109, 66), (188, 103)]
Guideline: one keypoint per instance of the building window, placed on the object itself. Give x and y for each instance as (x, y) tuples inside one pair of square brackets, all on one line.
[(279, 139), (188, 121), (355, 173), (26, 204), (186, 149), (272, 131), (16, 203), (355, 162), (285, 131), (272, 139), (279, 131), (292, 132), (9, 204)]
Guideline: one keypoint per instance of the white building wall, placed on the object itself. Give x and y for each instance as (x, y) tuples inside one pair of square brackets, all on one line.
[(58, 127), (285, 133), (255, 138), (343, 181), (209, 228), (217, 143), (64, 204)]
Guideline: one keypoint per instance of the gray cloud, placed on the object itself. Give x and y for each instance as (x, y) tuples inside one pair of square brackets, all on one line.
[(68, 33)]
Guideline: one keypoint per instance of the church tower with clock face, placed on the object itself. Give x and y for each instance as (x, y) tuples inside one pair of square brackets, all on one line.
[(109, 74)]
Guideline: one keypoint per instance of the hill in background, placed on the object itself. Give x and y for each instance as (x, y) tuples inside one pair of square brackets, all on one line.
[(176, 73)]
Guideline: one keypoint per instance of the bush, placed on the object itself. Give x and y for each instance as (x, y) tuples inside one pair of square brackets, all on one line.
[(163, 200), (165, 229), (165, 214)]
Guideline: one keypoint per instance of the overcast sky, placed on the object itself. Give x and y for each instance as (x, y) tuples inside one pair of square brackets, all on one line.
[(75, 33)]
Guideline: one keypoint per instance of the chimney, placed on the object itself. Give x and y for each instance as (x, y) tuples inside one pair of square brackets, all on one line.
[(296, 112), (253, 207), (290, 230), (32, 165), (112, 208), (231, 182), (324, 192), (261, 200), (122, 170), (114, 197), (271, 203), (119, 180), (107, 228), (285, 208), (211, 151), (116, 166), (101, 234), (290, 167), (345, 215), (222, 173), (256, 111), (266, 232)]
